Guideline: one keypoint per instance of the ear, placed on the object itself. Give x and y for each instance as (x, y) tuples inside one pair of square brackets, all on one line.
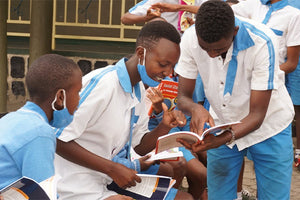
[(140, 53), (59, 104), (236, 29)]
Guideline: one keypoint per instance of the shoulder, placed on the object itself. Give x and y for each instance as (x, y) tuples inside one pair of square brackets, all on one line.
[(18, 129)]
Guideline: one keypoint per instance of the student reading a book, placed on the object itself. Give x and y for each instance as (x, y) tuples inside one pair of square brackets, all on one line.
[(178, 13), (28, 142), (111, 113), (284, 20), (238, 62)]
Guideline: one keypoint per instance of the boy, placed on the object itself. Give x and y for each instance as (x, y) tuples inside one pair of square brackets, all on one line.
[(238, 62), (28, 142), (111, 113), (284, 20)]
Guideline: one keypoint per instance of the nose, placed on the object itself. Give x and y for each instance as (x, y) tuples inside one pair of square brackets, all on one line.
[(213, 53), (168, 71)]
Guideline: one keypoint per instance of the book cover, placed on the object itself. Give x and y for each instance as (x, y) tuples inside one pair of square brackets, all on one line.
[(26, 188), (151, 187), (169, 141)]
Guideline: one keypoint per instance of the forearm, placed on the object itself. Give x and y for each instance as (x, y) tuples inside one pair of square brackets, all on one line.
[(75, 153), (188, 8), (129, 19), (148, 142), (288, 66)]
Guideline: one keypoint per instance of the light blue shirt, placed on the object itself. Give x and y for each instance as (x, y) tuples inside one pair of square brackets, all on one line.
[(27, 145)]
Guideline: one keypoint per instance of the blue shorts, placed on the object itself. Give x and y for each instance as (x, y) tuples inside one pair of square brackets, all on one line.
[(292, 82), (171, 195), (272, 159)]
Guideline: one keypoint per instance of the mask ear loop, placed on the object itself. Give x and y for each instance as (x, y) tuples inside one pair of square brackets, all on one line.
[(144, 62), (65, 99)]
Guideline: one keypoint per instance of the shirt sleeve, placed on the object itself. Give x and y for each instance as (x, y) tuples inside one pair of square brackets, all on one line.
[(187, 66), (244, 8), (141, 8), (36, 159), (293, 33)]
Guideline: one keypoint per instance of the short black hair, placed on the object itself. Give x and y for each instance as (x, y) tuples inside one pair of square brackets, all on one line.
[(153, 31), (214, 21), (47, 74)]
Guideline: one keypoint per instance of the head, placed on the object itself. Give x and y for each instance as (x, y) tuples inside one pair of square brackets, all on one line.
[(215, 27), (157, 48), (53, 76)]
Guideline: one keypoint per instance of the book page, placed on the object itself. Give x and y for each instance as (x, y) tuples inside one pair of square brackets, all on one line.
[(169, 141), (14, 194), (219, 129), (50, 186), (146, 187), (168, 155)]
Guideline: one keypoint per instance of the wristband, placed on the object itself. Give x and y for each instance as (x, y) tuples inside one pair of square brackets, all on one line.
[(232, 137)]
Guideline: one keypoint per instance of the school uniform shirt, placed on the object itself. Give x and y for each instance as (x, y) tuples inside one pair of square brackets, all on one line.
[(141, 8), (27, 145), (282, 18), (228, 86), (101, 125)]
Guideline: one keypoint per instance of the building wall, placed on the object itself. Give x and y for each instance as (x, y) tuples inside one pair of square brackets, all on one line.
[(17, 93)]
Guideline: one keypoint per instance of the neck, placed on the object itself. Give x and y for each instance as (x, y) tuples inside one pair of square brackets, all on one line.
[(131, 66), (46, 107), (274, 1)]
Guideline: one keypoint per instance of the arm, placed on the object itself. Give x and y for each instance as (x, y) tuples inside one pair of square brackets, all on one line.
[(73, 152), (129, 18), (185, 103), (292, 59), (259, 102), (167, 7), (170, 120)]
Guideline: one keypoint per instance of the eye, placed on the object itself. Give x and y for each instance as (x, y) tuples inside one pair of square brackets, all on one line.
[(163, 64)]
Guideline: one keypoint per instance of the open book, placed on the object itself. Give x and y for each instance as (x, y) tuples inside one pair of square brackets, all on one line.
[(172, 154), (26, 188), (151, 187), (169, 141)]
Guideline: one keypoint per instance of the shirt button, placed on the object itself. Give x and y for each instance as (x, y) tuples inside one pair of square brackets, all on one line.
[(222, 83), (224, 105)]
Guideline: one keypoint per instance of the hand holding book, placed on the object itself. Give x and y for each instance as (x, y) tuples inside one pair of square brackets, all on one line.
[(172, 140)]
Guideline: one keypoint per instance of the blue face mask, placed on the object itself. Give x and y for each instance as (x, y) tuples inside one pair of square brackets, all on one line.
[(61, 118), (143, 74)]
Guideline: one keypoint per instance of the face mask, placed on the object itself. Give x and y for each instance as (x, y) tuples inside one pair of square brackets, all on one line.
[(143, 73), (61, 118)]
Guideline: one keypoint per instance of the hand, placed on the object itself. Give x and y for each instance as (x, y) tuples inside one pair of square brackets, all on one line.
[(152, 13), (119, 197), (123, 176), (209, 142), (173, 118), (144, 163), (156, 98), (200, 116), (166, 7)]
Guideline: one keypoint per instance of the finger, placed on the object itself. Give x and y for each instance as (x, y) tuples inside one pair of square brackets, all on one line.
[(211, 121), (165, 107), (184, 143)]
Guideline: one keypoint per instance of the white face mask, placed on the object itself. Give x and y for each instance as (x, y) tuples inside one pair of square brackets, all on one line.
[(61, 118)]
